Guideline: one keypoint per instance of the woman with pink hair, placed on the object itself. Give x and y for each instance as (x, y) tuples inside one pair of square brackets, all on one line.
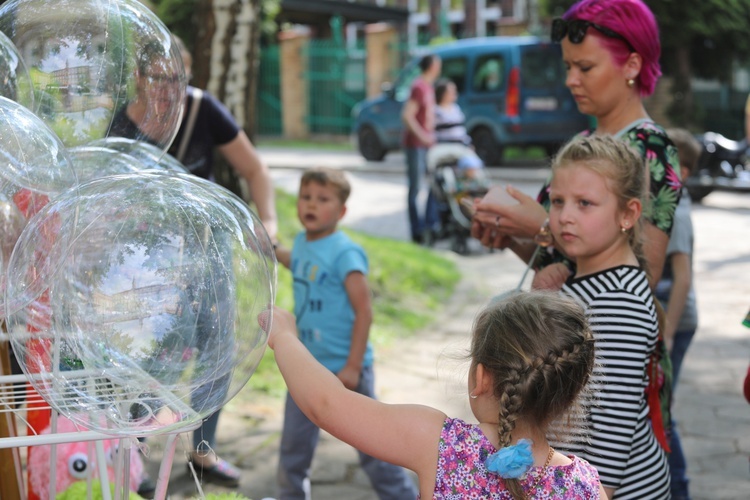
[(611, 51)]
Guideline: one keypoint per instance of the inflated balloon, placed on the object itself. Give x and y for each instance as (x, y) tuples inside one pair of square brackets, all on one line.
[(151, 290), (15, 82), (92, 162), (34, 167), (148, 154), (98, 67)]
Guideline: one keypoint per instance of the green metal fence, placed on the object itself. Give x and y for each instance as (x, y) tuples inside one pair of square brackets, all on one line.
[(268, 109), (336, 82)]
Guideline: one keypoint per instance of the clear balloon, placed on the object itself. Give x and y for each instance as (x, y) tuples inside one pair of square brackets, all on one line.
[(148, 154), (92, 162), (146, 319), (15, 82), (99, 68), (34, 167)]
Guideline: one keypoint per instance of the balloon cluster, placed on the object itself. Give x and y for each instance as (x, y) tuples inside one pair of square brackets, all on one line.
[(130, 288)]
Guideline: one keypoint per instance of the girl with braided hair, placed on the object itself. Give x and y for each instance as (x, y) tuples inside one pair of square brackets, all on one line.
[(598, 184), (531, 357)]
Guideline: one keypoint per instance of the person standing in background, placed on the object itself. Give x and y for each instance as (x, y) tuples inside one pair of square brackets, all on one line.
[(676, 292), (206, 126), (418, 116)]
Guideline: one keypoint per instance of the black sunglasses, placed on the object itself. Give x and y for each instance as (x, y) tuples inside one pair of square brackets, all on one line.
[(576, 31)]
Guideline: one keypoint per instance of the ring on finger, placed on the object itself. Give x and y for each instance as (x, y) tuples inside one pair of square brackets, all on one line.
[(497, 221)]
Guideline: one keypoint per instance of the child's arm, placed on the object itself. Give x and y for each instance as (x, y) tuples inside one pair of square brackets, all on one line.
[(681, 279), (359, 297), (283, 255), (405, 435)]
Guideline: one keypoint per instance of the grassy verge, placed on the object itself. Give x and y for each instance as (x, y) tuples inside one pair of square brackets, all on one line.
[(408, 283)]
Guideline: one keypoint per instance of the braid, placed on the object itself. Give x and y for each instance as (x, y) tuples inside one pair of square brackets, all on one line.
[(511, 403), (511, 406)]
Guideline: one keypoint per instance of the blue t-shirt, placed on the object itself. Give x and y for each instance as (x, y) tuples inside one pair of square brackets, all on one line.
[(324, 314)]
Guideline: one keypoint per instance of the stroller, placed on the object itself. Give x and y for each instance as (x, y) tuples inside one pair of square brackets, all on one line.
[(455, 172)]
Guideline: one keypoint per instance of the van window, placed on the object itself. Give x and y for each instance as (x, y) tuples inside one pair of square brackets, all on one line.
[(542, 67), (489, 74), (455, 70)]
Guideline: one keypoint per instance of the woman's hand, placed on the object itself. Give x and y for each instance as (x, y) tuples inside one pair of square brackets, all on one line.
[(283, 323), (521, 220), (551, 277)]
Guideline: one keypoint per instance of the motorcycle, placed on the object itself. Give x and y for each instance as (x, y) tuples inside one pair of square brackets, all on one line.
[(724, 165)]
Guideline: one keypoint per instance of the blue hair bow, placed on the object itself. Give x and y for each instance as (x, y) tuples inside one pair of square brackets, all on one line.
[(511, 462)]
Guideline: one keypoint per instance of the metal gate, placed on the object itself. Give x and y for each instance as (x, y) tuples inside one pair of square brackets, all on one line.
[(268, 108), (336, 82)]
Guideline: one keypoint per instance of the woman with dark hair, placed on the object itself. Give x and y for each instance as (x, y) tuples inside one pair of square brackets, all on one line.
[(611, 51)]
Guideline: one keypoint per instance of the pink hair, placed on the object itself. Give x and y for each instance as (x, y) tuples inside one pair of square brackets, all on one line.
[(636, 23)]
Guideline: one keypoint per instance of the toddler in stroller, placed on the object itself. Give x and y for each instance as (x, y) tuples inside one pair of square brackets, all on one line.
[(455, 172)]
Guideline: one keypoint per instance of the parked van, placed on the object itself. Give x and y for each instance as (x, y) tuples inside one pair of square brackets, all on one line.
[(511, 89)]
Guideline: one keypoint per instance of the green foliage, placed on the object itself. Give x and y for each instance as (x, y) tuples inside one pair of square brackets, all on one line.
[(408, 283), (178, 15), (79, 489)]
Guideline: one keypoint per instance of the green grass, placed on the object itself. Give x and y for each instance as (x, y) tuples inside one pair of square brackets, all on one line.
[(408, 283)]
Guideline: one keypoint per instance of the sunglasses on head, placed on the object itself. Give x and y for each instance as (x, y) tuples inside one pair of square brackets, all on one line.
[(576, 31)]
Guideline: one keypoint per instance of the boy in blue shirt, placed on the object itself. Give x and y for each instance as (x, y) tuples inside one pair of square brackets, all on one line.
[(333, 312)]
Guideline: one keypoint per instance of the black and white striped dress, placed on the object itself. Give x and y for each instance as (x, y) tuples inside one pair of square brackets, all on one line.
[(621, 443)]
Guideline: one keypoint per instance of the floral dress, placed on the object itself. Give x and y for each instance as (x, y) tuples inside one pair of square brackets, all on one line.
[(663, 164), (461, 473)]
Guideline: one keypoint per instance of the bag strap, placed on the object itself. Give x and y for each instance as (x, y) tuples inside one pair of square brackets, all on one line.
[(187, 134)]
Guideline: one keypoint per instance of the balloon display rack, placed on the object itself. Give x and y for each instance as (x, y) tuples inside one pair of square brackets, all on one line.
[(16, 395)]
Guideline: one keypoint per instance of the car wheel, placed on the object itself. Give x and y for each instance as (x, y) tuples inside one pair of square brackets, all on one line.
[(369, 145), (486, 147)]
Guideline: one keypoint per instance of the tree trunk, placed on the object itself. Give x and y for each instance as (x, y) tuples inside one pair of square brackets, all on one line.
[(225, 62), (226, 57), (682, 110)]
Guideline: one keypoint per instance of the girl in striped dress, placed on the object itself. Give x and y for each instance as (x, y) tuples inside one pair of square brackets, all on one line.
[(598, 184)]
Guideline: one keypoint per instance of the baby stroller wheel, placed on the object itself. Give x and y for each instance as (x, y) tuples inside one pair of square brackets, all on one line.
[(459, 245)]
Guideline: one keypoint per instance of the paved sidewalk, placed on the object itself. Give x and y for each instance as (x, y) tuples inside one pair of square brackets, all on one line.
[(394, 163)]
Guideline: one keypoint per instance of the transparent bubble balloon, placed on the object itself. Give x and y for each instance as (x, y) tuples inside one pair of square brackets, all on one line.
[(99, 67), (15, 82), (92, 162), (34, 167), (148, 319), (148, 154)]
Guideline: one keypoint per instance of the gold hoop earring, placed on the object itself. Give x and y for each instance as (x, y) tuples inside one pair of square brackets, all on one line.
[(631, 83)]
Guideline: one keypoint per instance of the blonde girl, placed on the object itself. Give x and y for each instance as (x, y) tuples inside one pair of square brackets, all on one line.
[(597, 186)]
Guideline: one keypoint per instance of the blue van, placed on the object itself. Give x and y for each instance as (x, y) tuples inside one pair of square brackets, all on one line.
[(511, 89)]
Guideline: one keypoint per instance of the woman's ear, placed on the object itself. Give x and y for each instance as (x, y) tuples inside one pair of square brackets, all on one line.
[(632, 66)]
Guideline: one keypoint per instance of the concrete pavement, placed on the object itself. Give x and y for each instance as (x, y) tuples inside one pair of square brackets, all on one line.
[(714, 419)]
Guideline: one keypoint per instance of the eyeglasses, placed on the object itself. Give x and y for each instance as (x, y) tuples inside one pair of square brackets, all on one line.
[(576, 31)]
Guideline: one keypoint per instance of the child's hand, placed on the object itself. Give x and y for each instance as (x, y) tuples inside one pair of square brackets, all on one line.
[(349, 376), (283, 323), (551, 277)]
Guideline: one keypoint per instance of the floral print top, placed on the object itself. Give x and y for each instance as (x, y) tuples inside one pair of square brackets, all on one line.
[(461, 473), (663, 164)]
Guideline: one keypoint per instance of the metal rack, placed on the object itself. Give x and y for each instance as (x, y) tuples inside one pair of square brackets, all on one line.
[(15, 392)]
